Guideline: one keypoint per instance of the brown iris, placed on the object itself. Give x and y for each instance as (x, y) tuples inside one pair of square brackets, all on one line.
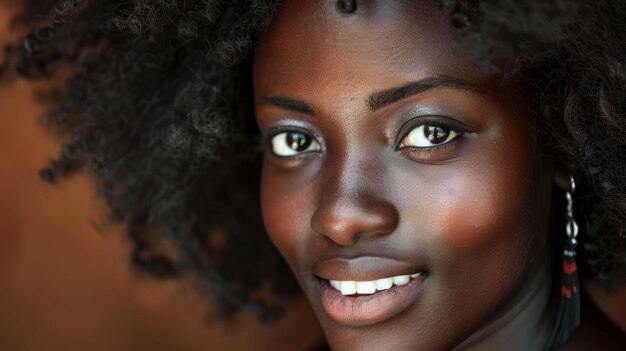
[(298, 141), (436, 134)]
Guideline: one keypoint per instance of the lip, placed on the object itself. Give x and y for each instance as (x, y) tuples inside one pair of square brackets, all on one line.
[(363, 268), (363, 310)]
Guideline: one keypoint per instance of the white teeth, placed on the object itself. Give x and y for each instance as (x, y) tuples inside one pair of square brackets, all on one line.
[(384, 284), (366, 287), (370, 287), (348, 288), (401, 279)]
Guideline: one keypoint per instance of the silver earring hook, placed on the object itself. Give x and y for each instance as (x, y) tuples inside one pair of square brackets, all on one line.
[(571, 227)]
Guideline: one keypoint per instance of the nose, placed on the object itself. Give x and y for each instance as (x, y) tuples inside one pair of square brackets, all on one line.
[(350, 210)]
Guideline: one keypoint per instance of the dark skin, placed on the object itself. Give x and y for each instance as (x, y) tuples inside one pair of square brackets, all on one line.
[(353, 189)]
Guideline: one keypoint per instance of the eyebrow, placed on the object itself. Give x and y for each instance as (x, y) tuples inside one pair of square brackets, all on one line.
[(287, 104), (387, 97), (382, 98)]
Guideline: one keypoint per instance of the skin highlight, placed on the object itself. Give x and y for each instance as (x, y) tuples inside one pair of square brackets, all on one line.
[(473, 214), (363, 201)]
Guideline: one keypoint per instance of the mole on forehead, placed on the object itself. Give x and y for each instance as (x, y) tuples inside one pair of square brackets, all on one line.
[(401, 39), (401, 14), (346, 7)]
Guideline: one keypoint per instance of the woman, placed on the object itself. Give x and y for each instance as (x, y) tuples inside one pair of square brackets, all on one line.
[(418, 158)]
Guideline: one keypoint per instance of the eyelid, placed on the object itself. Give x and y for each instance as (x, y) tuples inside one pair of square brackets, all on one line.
[(267, 137), (435, 120), (273, 131)]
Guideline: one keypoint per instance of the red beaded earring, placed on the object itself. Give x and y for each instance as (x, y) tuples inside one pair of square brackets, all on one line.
[(568, 315)]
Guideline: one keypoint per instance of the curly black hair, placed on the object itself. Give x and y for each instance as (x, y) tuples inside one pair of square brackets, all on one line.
[(158, 111)]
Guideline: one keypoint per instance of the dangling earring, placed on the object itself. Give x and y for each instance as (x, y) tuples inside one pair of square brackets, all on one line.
[(568, 316)]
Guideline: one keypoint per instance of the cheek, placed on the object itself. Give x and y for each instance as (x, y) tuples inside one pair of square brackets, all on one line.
[(496, 199), (279, 221), (476, 214), (285, 204), (469, 224)]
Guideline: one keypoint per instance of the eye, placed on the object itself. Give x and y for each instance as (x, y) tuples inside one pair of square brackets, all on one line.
[(426, 135), (292, 143)]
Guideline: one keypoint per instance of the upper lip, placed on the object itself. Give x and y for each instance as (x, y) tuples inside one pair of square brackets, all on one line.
[(364, 268)]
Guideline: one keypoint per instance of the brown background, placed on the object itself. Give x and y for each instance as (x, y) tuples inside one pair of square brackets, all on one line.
[(66, 286)]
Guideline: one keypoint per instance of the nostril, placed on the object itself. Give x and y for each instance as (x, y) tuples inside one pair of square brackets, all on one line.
[(347, 222), (363, 235)]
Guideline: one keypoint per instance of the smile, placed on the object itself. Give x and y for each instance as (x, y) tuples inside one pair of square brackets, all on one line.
[(366, 290), (371, 287), (357, 309)]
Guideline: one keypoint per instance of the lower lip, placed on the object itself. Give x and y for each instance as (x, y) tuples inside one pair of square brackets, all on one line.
[(358, 311)]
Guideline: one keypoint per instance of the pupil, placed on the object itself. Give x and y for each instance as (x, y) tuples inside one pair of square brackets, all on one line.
[(436, 134), (298, 141)]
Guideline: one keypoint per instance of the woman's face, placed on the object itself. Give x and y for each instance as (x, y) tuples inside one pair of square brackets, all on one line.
[(388, 155)]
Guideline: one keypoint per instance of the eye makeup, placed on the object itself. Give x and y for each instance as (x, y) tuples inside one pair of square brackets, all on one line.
[(430, 128), (286, 143), (290, 146)]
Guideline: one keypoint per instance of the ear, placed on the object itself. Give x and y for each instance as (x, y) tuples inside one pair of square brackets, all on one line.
[(561, 177)]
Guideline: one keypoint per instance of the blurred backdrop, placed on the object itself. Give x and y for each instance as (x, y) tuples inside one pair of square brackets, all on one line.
[(66, 286)]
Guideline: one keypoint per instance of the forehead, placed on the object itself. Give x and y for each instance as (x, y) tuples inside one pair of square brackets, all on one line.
[(311, 45)]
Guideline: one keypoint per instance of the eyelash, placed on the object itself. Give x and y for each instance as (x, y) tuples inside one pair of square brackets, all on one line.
[(461, 129), (266, 140), (424, 153)]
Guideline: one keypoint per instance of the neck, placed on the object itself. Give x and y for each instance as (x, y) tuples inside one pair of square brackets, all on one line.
[(525, 325)]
